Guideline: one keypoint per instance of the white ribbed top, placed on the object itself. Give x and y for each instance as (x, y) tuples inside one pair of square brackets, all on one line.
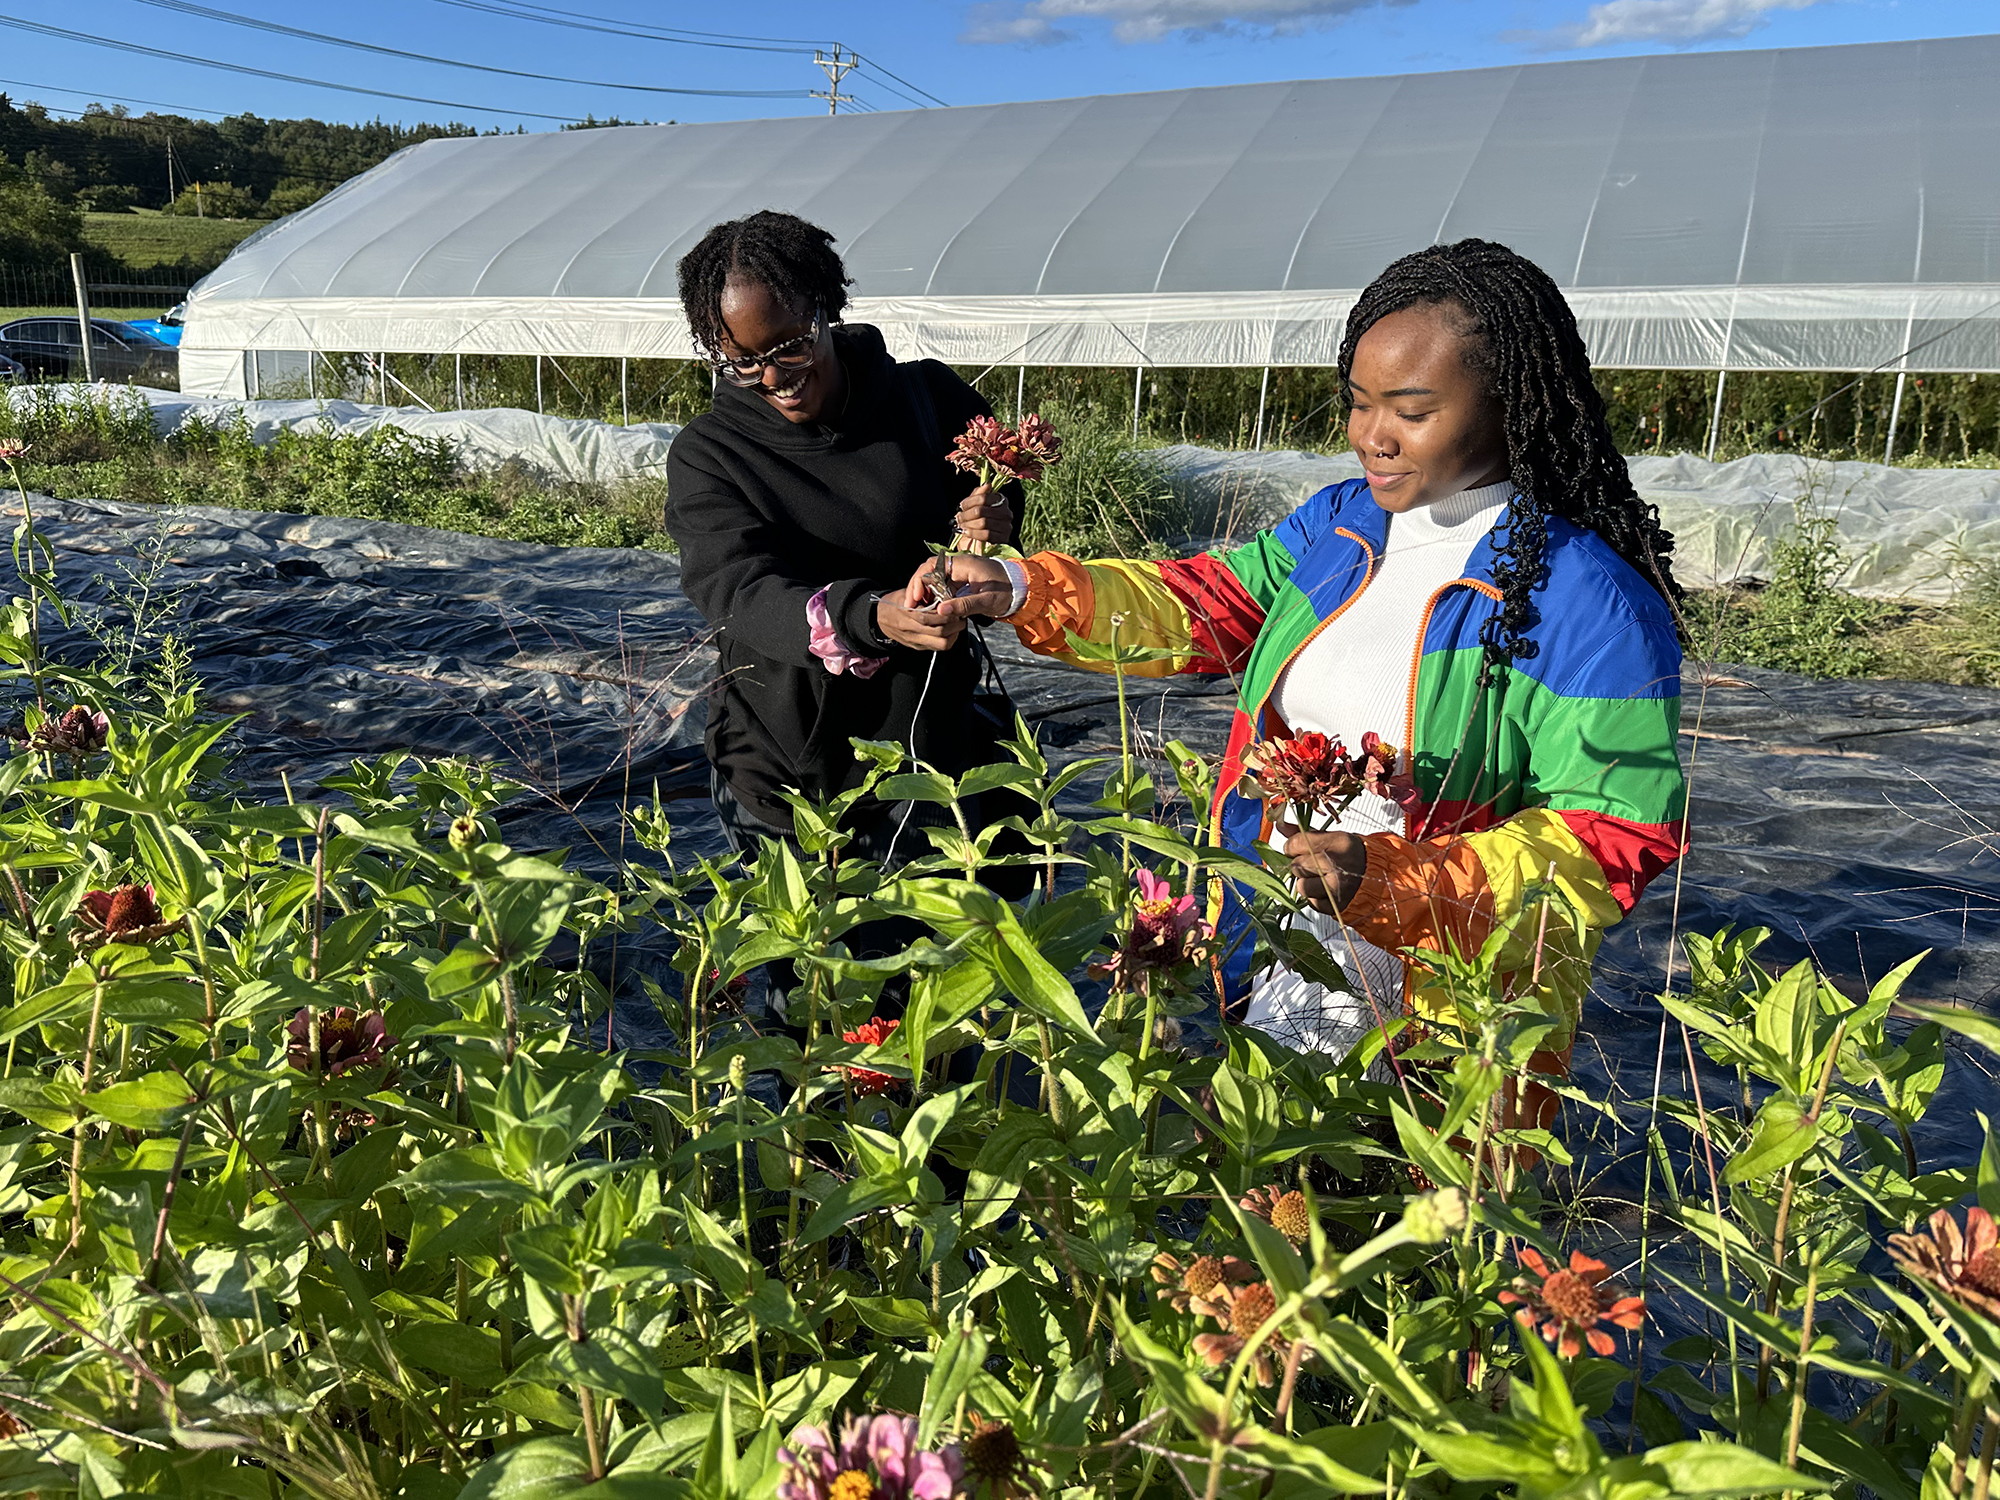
[(1352, 677)]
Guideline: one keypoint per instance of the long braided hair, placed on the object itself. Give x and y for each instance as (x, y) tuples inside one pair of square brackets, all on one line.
[(1520, 336), (781, 251)]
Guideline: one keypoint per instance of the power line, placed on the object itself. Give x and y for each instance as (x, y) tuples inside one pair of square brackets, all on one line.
[(870, 63), (186, 7), (50, 88), (320, 83), (520, 10), (580, 21), (906, 98), (670, 31)]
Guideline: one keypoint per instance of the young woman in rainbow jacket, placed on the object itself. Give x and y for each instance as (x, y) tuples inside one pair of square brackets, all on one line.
[(1493, 599)]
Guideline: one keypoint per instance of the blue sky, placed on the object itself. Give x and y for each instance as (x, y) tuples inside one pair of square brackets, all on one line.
[(962, 51)]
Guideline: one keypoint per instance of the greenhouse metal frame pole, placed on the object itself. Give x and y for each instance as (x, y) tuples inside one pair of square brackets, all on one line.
[(1138, 385), (458, 380), (1895, 416), (1021, 393), (1263, 393), (1715, 417), (1902, 375), (538, 385), (625, 389)]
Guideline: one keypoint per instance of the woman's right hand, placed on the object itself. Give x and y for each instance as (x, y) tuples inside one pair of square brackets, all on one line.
[(982, 587), (923, 629)]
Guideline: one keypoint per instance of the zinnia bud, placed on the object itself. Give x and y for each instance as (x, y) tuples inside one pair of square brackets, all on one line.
[(1435, 1217)]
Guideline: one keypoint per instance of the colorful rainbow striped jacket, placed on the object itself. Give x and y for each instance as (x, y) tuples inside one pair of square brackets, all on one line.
[(1563, 771)]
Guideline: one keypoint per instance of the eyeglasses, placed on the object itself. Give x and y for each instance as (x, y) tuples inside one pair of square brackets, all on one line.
[(800, 353)]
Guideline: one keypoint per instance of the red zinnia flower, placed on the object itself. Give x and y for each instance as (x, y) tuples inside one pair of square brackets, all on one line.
[(1307, 772), (127, 914), (1568, 1304), (11, 449), (347, 1040), (866, 1081)]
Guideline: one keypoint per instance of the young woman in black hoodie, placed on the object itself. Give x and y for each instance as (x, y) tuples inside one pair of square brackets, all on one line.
[(801, 501)]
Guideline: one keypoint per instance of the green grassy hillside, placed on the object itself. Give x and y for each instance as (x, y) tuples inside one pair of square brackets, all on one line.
[(143, 239)]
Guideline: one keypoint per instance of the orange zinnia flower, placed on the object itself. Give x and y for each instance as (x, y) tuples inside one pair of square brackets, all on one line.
[(1566, 1305)]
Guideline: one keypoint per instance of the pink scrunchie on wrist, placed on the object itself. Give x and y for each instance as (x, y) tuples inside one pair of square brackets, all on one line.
[(826, 645)]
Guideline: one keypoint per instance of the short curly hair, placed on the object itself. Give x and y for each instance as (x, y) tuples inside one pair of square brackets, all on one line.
[(793, 258)]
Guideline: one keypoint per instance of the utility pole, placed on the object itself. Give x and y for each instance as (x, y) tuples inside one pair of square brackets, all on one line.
[(170, 171), (836, 64)]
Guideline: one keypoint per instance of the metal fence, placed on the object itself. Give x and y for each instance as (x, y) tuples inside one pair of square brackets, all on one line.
[(114, 288)]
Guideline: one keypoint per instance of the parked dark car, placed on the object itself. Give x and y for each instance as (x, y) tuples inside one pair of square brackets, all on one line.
[(50, 347)]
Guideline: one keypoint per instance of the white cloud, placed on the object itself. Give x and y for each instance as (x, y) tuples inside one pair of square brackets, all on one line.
[(1036, 22), (1663, 21), (1005, 25)]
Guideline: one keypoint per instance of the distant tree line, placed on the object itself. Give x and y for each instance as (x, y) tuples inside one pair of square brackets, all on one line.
[(53, 170)]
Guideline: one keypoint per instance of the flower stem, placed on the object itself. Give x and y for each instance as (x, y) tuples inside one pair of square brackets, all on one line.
[(29, 535), (1800, 1366), (1982, 1481), (1050, 1082)]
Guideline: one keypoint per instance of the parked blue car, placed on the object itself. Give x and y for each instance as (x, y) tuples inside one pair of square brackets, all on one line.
[(166, 329)]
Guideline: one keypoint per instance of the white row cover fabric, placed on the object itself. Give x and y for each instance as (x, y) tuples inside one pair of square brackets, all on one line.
[(1907, 533), (1914, 534), (556, 447), (1814, 208)]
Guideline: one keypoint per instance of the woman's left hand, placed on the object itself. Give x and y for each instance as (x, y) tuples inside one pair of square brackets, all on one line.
[(983, 516), (1329, 865)]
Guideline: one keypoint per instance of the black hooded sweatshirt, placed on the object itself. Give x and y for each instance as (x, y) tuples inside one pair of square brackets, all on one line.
[(767, 512)]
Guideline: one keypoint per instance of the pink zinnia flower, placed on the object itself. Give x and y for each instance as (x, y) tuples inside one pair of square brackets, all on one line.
[(347, 1040), (1038, 440), (1167, 931), (877, 1458), (1963, 1265)]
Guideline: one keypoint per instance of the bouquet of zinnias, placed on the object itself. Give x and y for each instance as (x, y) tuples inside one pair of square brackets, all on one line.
[(1311, 774), (996, 453)]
